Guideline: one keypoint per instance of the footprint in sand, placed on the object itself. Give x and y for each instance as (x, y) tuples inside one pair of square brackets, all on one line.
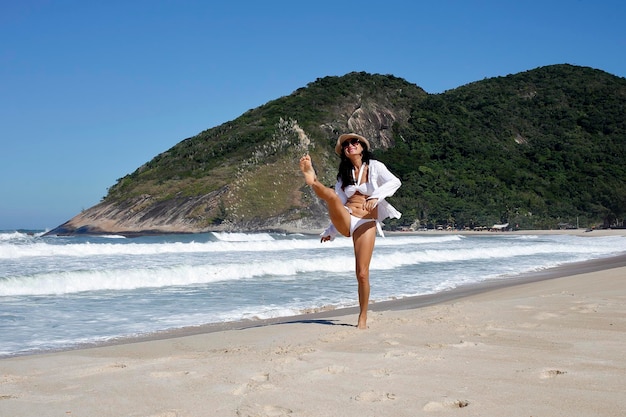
[(442, 405), (380, 373), (527, 325), (260, 377), (374, 397), (331, 370), (164, 414), (166, 374), (551, 373), (257, 410), (465, 344), (585, 308), (545, 316), (461, 344), (256, 381), (398, 353)]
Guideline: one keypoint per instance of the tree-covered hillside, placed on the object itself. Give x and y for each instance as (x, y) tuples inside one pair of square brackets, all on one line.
[(538, 148), (250, 163)]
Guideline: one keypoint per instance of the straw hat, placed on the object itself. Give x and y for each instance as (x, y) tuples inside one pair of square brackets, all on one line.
[(348, 136)]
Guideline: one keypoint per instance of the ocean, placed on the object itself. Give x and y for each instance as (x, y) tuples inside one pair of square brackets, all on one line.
[(62, 292)]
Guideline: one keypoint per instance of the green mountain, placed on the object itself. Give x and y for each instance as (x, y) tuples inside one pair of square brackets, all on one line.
[(533, 149)]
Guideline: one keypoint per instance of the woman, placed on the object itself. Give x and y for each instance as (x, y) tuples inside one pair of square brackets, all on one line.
[(357, 205)]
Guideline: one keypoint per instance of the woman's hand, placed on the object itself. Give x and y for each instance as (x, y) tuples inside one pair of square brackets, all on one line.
[(325, 239), (370, 204)]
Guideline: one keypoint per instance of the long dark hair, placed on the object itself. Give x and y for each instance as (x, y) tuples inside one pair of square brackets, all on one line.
[(346, 167)]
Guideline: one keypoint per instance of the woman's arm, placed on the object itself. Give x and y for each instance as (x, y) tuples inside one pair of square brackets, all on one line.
[(387, 183)]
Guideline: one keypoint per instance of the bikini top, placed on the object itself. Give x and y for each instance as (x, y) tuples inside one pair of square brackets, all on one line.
[(365, 188)]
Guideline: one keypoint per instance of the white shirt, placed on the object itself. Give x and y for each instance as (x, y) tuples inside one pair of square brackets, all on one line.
[(384, 185)]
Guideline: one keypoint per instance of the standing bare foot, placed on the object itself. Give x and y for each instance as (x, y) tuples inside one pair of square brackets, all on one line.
[(307, 169), (362, 321)]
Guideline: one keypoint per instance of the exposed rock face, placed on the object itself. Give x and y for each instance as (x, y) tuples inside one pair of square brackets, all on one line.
[(370, 119), (142, 215), (374, 121)]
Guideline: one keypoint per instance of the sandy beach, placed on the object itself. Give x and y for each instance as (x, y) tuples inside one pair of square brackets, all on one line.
[(549, 344)]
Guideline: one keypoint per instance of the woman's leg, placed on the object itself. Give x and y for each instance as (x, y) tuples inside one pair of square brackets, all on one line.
[(364, 238), (338, 214)]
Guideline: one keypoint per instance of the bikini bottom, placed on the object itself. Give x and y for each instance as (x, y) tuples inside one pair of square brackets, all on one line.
[(356, 222)]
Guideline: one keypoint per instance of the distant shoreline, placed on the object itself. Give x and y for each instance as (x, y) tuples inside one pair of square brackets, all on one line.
[(570, 232)]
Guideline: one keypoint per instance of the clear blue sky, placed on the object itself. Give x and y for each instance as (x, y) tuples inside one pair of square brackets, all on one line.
[(90, 90)]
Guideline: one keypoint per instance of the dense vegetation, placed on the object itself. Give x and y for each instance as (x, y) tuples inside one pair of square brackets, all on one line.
[(533, 149)]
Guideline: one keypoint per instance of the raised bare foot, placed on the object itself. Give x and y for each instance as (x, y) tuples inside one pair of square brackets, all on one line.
[(307, 169)]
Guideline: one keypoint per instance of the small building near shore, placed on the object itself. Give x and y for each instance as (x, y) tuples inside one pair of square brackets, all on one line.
[(499, 227)]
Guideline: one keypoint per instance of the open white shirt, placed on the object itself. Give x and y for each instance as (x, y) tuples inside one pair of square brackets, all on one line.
[(383, 184)]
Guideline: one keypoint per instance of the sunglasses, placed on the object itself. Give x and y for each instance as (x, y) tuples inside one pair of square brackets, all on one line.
[(353, 142)]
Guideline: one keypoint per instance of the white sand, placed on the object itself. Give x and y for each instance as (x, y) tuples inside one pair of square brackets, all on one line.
[(555, 347)]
